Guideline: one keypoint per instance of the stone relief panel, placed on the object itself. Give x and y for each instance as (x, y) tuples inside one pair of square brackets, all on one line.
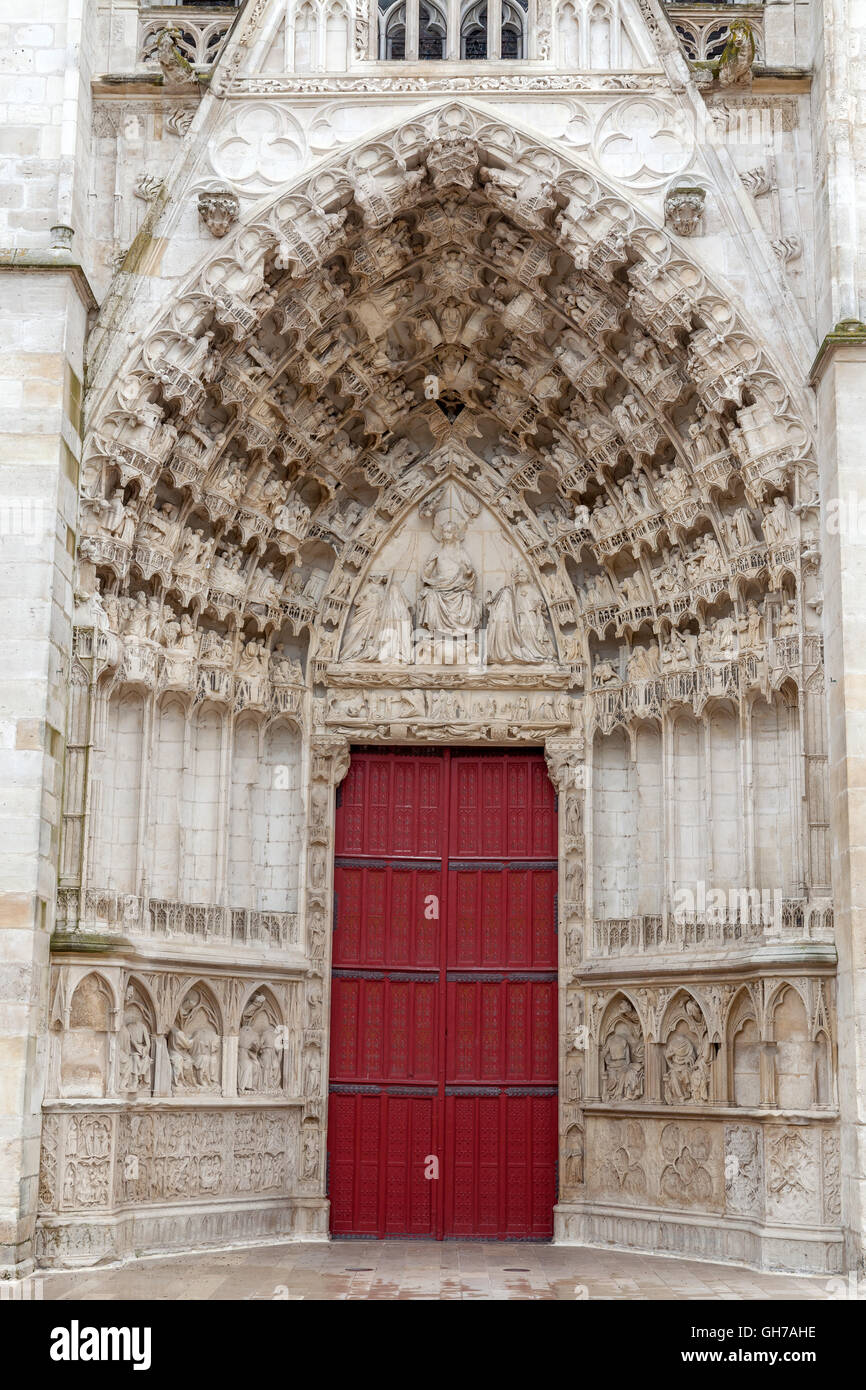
[(85, 1178), (450, 567), (621, 1173), (713, 1044), (831, 1175), (117, 1160), (744, 1170), (195, 1044), (247, 1045), (792, 1173), (677, 1165), (179, 1034), (691, 1155)]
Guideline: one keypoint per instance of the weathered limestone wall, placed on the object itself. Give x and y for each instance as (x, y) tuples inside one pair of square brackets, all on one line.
[(840, 386), (840, 382), (44, 305), (38, 476)]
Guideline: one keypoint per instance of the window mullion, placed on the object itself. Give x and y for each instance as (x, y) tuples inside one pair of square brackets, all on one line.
[(452, 47), (494, 28), (413, 25)]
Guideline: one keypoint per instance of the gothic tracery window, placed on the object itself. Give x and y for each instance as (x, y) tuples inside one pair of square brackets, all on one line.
[(513, 39), (418, 29), (473, 31), (432, 29), (704, 39), (393, 32)]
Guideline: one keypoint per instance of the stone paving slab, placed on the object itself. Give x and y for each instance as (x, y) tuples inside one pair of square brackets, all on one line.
[(426, 1270)]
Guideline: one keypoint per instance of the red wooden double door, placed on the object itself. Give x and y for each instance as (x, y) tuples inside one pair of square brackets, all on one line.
[(443, 1107)]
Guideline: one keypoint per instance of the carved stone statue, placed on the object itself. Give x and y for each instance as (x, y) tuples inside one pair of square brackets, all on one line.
[(180, 1057), (687, 1055), (776, 524), (622, 1056), (310, 1149), (516, 626), (194, 1046), (750, 628), (381, 625), (249, 1064), (447, 600), (644, 664), (293, 517), (133, 1046), (259, 1066)]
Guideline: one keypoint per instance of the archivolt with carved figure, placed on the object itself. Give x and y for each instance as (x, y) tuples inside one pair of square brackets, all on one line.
[(448, 444)]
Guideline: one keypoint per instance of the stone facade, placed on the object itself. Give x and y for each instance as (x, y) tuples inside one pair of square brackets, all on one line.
[(475, 401)]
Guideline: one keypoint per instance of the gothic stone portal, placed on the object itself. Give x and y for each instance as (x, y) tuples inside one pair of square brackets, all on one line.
[(455, 448)]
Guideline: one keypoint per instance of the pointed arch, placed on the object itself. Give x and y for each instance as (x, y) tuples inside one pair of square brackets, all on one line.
[(743, 1038), (84, 1043)]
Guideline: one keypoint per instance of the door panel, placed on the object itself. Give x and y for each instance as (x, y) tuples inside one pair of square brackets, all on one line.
[(391, 805), (500, 1029), (502, 806), (501, 1149), (386, 914), (444, 997), (384, 1028), (499, 915), (354, 1123)]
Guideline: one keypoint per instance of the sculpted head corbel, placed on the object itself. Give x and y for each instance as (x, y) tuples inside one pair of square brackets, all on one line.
[(218, 209), (684, 208)]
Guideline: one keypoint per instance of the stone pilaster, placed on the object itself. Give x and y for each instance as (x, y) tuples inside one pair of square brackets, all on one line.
[(840, 380), (44, 303), (329, 763), (565, 763)]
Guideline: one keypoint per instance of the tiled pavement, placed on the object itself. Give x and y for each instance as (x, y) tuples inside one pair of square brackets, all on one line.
[(426, 1270)]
